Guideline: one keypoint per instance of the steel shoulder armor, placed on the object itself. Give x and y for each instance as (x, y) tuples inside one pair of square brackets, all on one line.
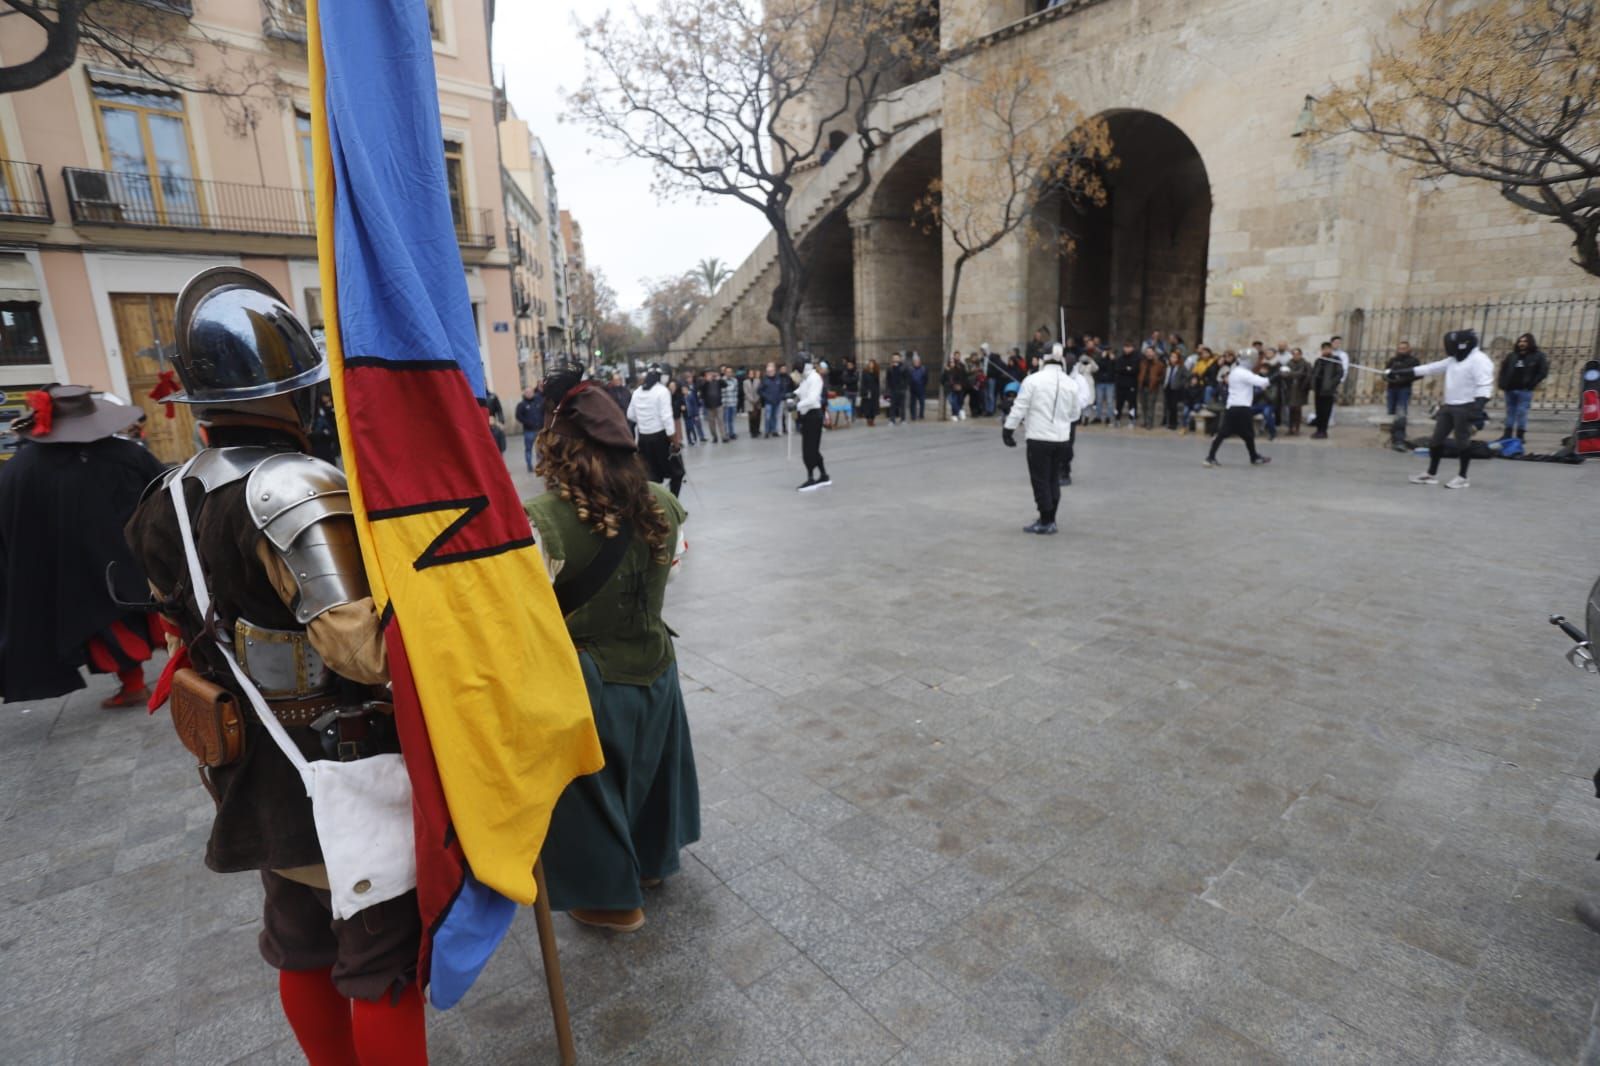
[(292, 499)]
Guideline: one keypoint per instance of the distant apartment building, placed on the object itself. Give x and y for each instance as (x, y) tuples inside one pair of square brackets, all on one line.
[(579, 282), (528, 165), (529, 256), (116, 189)]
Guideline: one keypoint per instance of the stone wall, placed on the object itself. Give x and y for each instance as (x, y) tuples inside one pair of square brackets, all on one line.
[(1295, 238)]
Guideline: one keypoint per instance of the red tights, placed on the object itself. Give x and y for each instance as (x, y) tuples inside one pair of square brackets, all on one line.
[(334, 1031)]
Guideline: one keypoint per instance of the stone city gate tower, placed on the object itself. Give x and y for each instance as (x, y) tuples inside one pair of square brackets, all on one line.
[(1217, 226)]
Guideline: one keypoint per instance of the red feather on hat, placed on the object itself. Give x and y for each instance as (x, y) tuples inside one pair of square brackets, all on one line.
[(166, 385), (44, 409)]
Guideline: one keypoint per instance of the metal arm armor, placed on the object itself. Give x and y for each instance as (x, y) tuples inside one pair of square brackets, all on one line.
[(292, 498)]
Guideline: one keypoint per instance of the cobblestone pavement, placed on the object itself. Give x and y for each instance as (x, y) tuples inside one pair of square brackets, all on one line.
[(1247, 765)]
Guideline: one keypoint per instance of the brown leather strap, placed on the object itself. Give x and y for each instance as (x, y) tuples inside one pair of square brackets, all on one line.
[(304, 712), (301, 712), (205, 779)]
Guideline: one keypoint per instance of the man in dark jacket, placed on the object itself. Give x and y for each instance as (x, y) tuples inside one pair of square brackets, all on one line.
[(772, 392), (1399, 396), (919, 388), (1327, 373), (897, 382), (619, 392), (530, 416), (710, 389), (1126, 375), (1525, 366)]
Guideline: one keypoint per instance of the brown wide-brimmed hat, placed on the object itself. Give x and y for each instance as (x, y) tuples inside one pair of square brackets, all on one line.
[(585, 411), (72, 414)]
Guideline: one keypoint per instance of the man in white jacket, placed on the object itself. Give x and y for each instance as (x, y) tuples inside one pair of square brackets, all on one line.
[(650, 409), (1468, 383), (1047, 405), (809, 401), (1239, 419)]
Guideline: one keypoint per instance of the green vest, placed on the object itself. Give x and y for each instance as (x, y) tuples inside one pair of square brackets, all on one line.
[(621, 626)]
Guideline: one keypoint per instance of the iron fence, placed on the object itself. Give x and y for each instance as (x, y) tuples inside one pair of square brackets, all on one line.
[(1568, 331), (22, 192)]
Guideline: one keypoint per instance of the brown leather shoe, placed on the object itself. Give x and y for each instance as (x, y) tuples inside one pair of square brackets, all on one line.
[(614, 921)]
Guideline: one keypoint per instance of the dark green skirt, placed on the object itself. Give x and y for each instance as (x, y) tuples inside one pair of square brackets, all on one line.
[(626, 823)]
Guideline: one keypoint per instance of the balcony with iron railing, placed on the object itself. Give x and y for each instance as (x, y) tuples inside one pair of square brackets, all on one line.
[(22, 193), (113, 198), (284, 20), (475, 228)]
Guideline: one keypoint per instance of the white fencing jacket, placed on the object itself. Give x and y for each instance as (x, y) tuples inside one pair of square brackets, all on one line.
[(651, 410), (1049, 403), (1464, 379), (808, 394)]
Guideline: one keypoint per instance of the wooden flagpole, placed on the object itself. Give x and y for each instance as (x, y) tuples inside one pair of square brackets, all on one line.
[(552, 969)]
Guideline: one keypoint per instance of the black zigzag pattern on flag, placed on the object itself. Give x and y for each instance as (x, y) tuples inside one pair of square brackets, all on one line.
[(470, 507)]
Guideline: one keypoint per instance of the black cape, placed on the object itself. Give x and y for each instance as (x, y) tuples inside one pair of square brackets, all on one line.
[(62, 509)]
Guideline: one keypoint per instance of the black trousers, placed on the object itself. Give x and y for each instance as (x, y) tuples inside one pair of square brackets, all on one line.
[(1047, 463), (1456, 419), (897, 405), (655, 450), (1127, 396), (1324, 412), (1174, 403), (811, 442), (1236, 422)]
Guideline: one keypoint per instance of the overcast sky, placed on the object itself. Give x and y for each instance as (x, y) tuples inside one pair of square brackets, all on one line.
[(626, 233)]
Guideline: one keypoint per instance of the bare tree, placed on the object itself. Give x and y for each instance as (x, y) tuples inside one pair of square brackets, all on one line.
[(1504, 92), (138, 35), (581, 300), (737, 98), (1029, 143), (609, 332), (670, 304)]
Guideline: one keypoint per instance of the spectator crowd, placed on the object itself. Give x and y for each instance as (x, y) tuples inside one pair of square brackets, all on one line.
[(1157, 382)]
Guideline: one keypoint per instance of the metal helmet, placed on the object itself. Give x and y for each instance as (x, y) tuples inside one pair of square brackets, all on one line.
[(238, 340)]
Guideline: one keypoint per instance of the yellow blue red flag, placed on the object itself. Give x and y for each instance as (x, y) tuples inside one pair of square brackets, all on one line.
[(492, 712)]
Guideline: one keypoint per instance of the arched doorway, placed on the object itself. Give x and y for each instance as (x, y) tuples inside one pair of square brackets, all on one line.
[(901, 303), (1139, 261), (827, 310)]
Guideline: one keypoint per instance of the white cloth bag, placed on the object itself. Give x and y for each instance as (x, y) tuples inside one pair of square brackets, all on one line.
[(362, 809)]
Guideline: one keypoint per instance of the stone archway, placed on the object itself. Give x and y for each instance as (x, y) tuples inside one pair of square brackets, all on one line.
[(899, 258), (827, 310), (1140, 260)]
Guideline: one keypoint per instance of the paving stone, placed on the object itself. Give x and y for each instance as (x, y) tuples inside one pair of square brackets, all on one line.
[(948, 819), (907, 1001), (1087, 1037)]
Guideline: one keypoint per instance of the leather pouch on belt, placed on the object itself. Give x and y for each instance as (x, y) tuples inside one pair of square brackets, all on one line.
[(206, 717)]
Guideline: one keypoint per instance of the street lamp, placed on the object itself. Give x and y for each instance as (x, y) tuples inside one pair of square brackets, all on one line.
[(1308, 117)]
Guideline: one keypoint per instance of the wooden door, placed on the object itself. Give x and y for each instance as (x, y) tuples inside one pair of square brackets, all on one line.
[(144, 333)]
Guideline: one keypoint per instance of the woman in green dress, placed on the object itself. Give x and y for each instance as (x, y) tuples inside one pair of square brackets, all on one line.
[(610, 538)]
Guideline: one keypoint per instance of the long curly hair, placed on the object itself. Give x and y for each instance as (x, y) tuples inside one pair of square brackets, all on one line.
[(606, 486)]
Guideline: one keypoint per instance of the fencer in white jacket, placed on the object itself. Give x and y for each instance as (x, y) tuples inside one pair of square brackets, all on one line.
[(1047, 406)]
